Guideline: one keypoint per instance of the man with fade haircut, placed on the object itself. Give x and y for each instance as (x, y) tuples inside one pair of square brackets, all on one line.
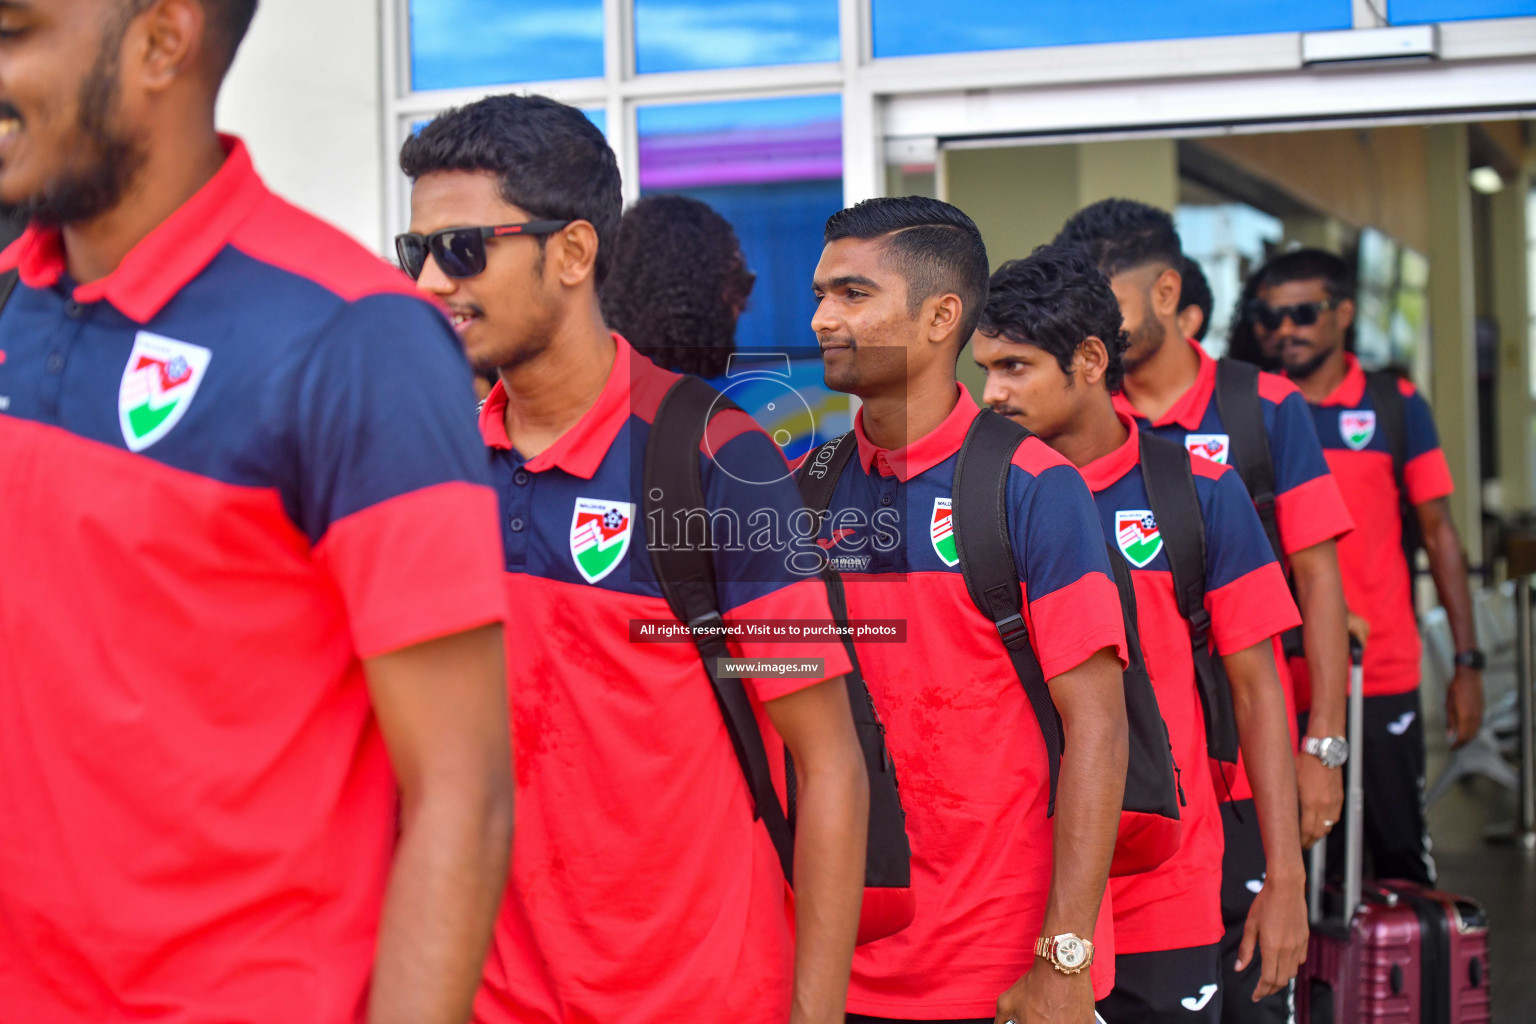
[(1171, 388), (1051, 345), (900, 285), (1379, 436), (642, 888), (252, 688)]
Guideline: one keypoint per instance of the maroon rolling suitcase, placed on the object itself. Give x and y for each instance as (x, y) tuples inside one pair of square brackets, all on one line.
[(1399, 953)]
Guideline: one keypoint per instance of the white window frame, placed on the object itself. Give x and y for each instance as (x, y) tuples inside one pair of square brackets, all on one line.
[(905, 105)]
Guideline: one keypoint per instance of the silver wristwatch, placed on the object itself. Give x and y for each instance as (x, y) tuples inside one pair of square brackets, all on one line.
[(1333, 751)]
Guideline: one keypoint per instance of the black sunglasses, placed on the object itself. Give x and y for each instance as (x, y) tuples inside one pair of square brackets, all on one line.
[(460, 252), (1303, 314)]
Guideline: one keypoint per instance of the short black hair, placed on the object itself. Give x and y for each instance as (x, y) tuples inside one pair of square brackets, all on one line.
[(676, 281), (1053, 299), (548, 158), (1123, 234), (1309, 265), (933, 245), (1196, 291)]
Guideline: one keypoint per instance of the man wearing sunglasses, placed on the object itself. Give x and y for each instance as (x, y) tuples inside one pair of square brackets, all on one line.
[(1302, 315), (254, 756), (1170, 387), (642, 888)]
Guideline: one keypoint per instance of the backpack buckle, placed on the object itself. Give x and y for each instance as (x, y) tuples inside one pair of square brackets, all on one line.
[(711, 621), (1013, 631), (1200, 624)]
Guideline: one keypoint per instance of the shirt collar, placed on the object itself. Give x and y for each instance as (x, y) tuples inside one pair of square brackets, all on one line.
[(1106, 469), (163, 261), (1189, 410), (1351, 390), (917, 457), (580, 450)]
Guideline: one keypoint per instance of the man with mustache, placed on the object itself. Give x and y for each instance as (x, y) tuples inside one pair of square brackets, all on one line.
[(1051, 345), (1301, 316), (1001, 886), (254, 760), (642, 887), (1170, 387)]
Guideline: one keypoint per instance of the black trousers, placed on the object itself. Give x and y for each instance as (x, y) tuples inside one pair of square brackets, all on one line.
[(1175, 986), (1242, 876), (1396, 835)]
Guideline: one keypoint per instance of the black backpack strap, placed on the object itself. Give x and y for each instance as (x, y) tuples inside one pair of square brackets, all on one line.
[(818, 474), (7, 286), (1242, 413), (686, 573), (980, 511), (1392, 419), (1170, 483)]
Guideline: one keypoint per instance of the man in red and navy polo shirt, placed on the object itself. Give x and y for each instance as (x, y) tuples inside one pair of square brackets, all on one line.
[(642, 889), (1051, 344), (251, 670), (1169, 389), (1301, 317), (901, 283)]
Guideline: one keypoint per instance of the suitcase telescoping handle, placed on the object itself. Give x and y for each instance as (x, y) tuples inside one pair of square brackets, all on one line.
[(1354, 802)]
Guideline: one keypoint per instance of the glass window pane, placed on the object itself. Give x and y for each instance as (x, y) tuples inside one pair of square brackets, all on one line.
[(774, 169), (458, 43), (908, 27), (690, 35), (1408, 12)]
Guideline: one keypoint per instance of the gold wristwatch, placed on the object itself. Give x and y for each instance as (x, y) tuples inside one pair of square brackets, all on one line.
[(1068, 953)]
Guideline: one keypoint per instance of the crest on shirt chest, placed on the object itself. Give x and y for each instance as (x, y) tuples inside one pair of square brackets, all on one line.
[(941, 530), (1357, 427), (1215, 447), (1138, 536), (600, 533), (159, 383)]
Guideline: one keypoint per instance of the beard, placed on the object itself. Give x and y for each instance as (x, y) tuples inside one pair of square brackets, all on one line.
[(105, 161), (1145, 342), (1309, 366)]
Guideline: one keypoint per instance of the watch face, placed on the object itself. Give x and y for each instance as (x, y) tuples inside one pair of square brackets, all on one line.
[(1070, 952)]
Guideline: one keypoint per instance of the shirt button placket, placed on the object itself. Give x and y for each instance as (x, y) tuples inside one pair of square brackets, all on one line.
[(519, 518)]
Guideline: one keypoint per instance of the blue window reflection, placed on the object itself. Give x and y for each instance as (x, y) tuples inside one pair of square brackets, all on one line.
[(909, 27), (774, 169), (690, 35), (1408, 12), (458, 43)]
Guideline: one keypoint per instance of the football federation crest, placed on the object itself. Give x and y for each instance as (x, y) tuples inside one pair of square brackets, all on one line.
[(1139, 538), (1208, 446), (158, 384), (600, 532), (941, 528), (1357, 426)]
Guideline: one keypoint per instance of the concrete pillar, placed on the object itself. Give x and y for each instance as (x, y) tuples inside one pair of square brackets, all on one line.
[(1019, 196), (1452, 304), (1511, 308), (305, 93)]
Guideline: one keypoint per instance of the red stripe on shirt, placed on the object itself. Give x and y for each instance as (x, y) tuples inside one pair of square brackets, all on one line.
[(1428, 477), (281, 235), (1311, 513), (724, 428), (1250, 609), (1070, 625), (1275, 388), (806, 599), (1034, 456), (441, 575)]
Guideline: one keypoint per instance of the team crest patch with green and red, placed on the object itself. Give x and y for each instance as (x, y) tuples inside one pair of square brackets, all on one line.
[(1357, 426), (158, 385), (600, 533), (1138, 536), (1209, 446), (941, 529)]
